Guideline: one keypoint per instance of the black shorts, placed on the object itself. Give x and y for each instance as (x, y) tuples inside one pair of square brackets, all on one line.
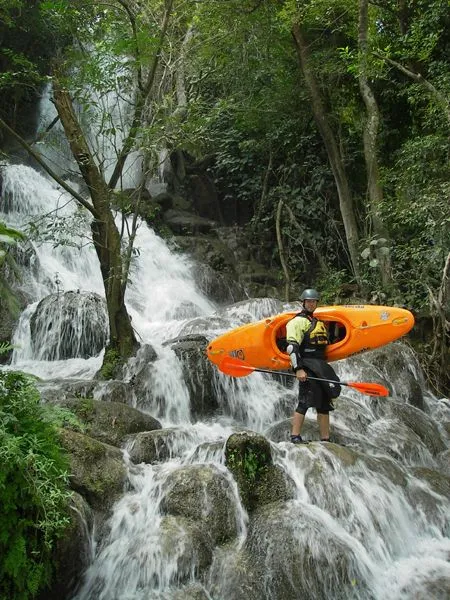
[(311, 395)]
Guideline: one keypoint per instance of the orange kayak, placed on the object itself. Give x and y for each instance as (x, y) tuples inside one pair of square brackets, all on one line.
[(352, 330)]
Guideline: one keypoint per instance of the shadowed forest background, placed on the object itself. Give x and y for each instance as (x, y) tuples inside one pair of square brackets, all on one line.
[(323, 130)]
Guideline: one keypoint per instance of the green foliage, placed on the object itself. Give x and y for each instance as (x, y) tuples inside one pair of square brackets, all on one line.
[(33, 489), (111, 362), (59, 416), (28, 43), (8, 236), (250, 464), (5, 347)]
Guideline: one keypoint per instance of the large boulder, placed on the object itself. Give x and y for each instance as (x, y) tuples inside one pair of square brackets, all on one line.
[(419, 422), (110, 422), (188, 542), (249, 458), (185, 223), (139, 373), (55, 391), (72, 551), (198, 374), (155, 446), (69, 325), (202, 494), (12, 299), (399, 366), (97, 470), (292, 552)]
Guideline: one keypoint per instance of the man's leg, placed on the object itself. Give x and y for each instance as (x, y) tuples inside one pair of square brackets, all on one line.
[(297, 423), (323, 419)]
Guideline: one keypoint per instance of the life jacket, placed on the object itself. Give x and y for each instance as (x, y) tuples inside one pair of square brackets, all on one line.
[(315, 340)]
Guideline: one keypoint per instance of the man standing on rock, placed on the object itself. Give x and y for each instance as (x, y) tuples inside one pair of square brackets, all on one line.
[(307, 339)]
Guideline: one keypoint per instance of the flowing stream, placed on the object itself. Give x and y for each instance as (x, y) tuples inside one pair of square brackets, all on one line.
[(395, 538)]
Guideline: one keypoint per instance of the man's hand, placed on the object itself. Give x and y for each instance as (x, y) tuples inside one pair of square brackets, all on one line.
[(301, 374)]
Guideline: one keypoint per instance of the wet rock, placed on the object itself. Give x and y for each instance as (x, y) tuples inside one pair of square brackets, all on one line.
[(443, 460), (433, 587), (355, 415), (138, 373), (188, 592), (97, 469), (400, 367), (12, 299), (281, 432), (222, 288), (110, 422), (164, 200), (249, 458), (438, 482), (198, 374), (387, 467), (184, 223), (428, 494), (232, 575), (252, 309), (294, 554), (69, 325), (55, 391), (72, 552), (153, 446), (204, 495), (188, 542), (400, 442), (420, 423)]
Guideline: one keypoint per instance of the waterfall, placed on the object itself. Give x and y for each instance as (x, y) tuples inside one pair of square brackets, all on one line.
[(363, 514)]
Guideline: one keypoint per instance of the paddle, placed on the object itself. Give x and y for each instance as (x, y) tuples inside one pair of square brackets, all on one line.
[(238, 368)]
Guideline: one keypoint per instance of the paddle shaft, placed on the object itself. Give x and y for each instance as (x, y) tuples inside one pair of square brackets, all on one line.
[(294, 375)]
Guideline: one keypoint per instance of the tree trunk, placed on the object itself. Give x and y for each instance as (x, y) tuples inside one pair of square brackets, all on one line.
[(370, 135), (334, 157), (104, 231)]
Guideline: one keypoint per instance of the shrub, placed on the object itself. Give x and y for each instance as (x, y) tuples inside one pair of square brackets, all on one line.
[(34, 489)]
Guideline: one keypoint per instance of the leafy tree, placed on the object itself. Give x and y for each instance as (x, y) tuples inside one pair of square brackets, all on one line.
[(118, 63)]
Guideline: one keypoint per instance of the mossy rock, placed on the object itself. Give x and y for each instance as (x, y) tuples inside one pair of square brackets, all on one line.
[(110, 422), (249, 458), (72, 551), (97, 470)]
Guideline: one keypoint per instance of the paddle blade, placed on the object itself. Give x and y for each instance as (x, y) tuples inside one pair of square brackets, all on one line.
[(235, 367), (371, 389)]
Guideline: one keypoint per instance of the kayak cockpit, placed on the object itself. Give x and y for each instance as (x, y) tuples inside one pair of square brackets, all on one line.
[(337, 333)]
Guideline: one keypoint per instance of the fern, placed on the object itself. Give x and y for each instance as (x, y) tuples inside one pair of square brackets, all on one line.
[(5, 347), (34, 489)]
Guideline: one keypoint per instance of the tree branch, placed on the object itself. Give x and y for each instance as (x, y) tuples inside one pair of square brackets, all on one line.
[(418, 78), (48, 170), (132, 19)]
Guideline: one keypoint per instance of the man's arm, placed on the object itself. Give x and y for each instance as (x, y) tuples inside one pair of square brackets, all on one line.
[(295, 332)]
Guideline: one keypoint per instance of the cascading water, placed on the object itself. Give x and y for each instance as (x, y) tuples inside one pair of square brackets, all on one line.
[(363, 522)]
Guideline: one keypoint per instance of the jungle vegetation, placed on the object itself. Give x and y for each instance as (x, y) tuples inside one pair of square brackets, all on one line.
[(324, 126)]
